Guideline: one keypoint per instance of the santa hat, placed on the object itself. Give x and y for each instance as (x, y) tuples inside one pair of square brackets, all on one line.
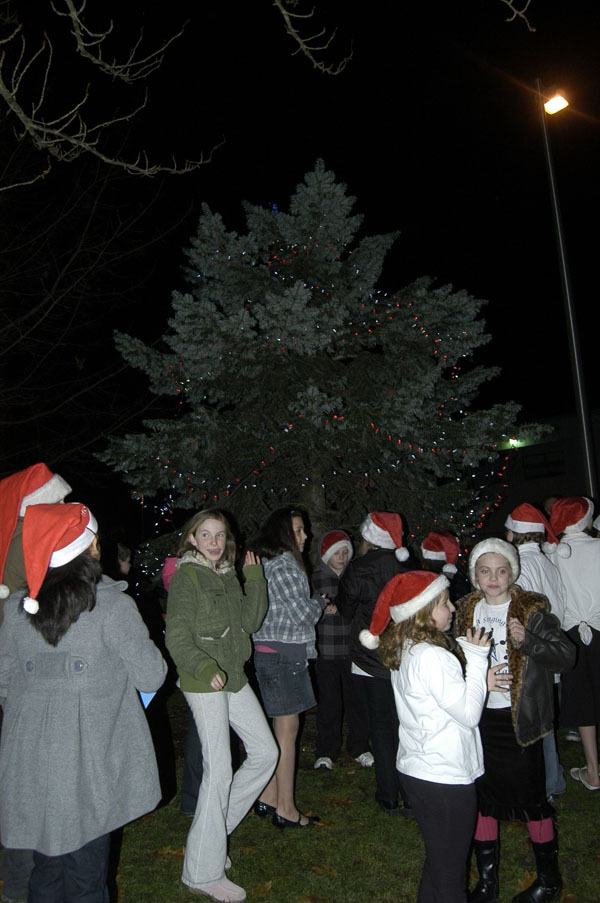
[(32, 486), (401, 598), (571, 515), (333, 542), (527, 519), (442, 546), (498, 547), (53, 535), (168, 569), (384, 529)]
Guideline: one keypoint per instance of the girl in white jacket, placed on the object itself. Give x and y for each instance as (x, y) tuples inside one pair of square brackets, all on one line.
[(440, 688)]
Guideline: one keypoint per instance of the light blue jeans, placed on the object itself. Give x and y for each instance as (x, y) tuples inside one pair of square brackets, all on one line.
[(223, 802)]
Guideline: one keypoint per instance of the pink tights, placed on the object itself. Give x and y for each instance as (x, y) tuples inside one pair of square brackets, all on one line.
[(540, 831)]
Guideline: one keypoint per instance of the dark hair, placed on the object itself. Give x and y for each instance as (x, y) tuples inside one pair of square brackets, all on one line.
[(519, 539), (276, 535), (66, 592), (196, 521)]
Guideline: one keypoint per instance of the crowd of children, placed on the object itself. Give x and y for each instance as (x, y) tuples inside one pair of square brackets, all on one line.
[(447, 686)]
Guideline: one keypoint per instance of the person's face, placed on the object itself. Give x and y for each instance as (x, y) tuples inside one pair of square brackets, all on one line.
[(210, 539), (299, 532), (442, 612), (494, 576), (339, 560)]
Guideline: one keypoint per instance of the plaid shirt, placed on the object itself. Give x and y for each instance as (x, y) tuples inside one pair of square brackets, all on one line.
[(333, 632), (292, 613)]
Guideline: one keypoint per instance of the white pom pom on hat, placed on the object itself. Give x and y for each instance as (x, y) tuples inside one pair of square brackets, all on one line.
[(384, 529), (4, 591), (401, 598)]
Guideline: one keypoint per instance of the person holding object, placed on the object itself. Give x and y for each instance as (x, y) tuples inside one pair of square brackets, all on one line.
[(76, 757), (528, 642), (440, 688), (210, 617)]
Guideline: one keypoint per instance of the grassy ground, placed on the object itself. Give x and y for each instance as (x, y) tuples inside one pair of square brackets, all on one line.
[(356, 853)]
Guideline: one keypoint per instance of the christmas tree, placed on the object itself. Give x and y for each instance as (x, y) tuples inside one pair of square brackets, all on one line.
[(293, 380)]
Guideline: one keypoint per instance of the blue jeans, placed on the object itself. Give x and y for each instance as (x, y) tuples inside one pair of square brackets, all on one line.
[(555, 775), (77, 877)]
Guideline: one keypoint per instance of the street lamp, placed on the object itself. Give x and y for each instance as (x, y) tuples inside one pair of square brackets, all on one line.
[(551, 105)]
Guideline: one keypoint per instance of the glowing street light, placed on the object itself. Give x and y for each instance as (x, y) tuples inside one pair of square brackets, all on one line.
[(552, 105)]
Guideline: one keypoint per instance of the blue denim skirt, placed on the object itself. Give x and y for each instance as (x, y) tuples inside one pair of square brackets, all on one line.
[(285, 685)]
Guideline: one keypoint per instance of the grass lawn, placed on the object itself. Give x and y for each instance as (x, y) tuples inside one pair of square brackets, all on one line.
[(356, 853)]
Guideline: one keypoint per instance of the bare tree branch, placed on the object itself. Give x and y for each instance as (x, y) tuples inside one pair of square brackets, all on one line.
[(313, 44), (517, 13)]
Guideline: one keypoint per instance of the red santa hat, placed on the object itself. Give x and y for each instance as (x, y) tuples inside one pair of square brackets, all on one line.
[(571, 515), (53, 535), (32, 486), (384, 529), (442, 546), (401, 598), (498, 547), (526, 518), (333, 542)]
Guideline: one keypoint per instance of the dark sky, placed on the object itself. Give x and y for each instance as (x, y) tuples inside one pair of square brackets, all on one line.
[(434, 126)]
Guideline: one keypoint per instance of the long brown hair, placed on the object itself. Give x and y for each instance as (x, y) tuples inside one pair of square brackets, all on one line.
[(418, 629), (196, 521)]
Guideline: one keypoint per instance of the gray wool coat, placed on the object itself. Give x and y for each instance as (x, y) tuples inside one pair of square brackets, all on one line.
[(76, 757)]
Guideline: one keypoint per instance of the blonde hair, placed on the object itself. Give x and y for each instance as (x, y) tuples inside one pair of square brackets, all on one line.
[(195, 522), (418, 629)]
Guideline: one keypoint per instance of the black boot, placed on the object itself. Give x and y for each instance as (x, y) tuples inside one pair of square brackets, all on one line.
[(487, 889), (548, 884)]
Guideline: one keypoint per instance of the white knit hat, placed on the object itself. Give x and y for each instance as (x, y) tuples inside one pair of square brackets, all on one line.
[(498, 547)]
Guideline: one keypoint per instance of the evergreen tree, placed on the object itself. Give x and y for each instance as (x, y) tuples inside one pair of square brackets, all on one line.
[(293, 380)]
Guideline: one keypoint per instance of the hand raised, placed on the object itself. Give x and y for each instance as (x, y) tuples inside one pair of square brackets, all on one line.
[(251, 558), (516, 632), (478, 636)]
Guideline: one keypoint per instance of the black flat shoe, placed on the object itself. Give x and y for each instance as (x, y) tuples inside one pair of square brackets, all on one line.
[(280, 822), (263, 809)]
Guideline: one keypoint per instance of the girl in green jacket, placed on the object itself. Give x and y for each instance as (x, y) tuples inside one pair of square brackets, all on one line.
[(209, 621)]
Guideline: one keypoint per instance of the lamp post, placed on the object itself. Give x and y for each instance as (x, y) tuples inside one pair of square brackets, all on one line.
[(549, 106)]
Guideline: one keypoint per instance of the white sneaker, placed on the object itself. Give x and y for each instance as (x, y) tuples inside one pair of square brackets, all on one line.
[(224, 890), (573, 736), (324, 762), (365, 760)]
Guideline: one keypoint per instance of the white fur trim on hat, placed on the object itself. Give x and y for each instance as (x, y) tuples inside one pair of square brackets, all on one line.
[(521, 526), (53, 491), (433, 556), (406, 610), (498, 547), (4, 591), (83, 542), (375, 535)]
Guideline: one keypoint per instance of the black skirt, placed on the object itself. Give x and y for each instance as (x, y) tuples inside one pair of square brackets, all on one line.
[(514, 783)]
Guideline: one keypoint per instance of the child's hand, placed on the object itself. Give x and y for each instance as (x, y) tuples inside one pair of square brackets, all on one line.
[(478, 636), (251, 558), (498, 681), (516, 632), (331, 609), (217, 683)]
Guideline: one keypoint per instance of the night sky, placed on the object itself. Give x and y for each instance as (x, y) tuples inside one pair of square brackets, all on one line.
[(434, 126)]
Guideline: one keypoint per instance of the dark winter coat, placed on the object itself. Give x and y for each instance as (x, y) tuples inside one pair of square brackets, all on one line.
[(76, 759), (546, 649), (360, 585)]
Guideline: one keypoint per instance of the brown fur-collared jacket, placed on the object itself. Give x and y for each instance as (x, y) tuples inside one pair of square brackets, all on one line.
[(546, 649)]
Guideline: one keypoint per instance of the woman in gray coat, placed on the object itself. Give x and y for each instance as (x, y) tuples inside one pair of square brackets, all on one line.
[(76, 757)]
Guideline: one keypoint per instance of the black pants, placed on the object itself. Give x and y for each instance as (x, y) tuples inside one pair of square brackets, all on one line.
[(340, 694), (383, 729), (77, 877), (446, 816)]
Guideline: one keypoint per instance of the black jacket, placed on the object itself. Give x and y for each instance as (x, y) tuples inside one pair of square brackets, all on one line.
[(546, 649), (361, 583)]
